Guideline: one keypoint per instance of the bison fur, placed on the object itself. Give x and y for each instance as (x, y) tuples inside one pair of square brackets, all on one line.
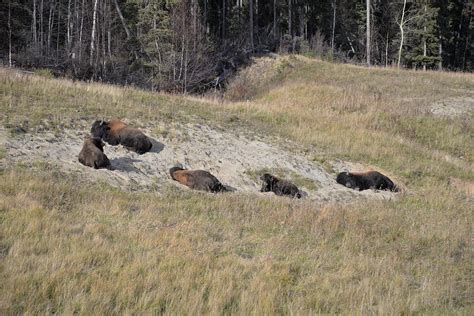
[(92, 153), (116, 132), (197, 180), (278, 186), (366, 180)]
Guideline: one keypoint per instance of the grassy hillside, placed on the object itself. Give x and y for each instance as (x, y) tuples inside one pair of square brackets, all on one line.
[(72, 245)]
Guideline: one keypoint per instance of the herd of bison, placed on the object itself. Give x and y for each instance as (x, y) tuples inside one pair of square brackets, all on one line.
[(116, 132)]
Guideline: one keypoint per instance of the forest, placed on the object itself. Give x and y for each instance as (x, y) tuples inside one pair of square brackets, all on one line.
[(196, 45)]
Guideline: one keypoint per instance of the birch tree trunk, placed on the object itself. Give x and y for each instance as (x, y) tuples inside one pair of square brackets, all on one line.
[(41, 28), (109, 32), (102, 35), (424, 41), (401, 24), (440, 64), (9, 33), (125, 27), (50, 27), (94, 22), (368, 32), (80, 32), (58, 33), (122, 19), (35, 37)]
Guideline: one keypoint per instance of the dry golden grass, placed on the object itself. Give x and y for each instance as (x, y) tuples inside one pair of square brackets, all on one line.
[(68, 245)]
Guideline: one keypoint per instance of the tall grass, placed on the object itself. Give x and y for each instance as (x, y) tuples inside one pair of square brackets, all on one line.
[(71, 246)]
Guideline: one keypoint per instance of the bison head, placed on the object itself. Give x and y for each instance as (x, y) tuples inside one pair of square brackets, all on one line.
[(268, 182), (99, 129), (173, 170), (347, 179), (97, 142)]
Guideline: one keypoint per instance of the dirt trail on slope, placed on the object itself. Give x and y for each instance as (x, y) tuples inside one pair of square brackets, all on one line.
[(235, 159)]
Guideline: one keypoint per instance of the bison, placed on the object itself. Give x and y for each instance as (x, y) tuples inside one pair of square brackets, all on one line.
[(366, 180), (116, 132), (197, 180), (278, 186), (92, 153)]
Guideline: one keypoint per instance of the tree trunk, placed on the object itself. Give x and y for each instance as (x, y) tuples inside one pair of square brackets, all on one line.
[(80, 32), (424, 41), (103, 36), (109, 33), (205, 17), (274, 18), (9, 34), (402, 21), (252, 47), (69, 26), (35, 37), (290, 30), (50, 27), (58, 33), (76, 19), (368, 33), (440, 64), (333, 25), (255, 22), (41, 28), (301, 20), (467, 43), (125, 27), (223, 20), (94, 22), (122, 19), (194, 23)]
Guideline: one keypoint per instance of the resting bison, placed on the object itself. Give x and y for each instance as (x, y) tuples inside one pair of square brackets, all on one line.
[(116, 132), (366, 180), (278, 186), (197, 179), (92, 153)]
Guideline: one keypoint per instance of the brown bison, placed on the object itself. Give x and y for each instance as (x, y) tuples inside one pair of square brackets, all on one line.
[(116, 132), (92, 153), (366, 180), (278, 186), (197, 180)]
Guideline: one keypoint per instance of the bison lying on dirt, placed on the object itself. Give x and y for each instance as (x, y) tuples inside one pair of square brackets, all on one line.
[(116, 132), (366, 180), (197, 180), (92, 153), (279, 186)]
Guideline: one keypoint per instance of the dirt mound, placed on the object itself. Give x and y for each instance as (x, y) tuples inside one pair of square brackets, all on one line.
[(233, 158)]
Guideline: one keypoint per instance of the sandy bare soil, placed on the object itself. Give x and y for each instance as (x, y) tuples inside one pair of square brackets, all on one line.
[(233, 158), (454, 107)]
